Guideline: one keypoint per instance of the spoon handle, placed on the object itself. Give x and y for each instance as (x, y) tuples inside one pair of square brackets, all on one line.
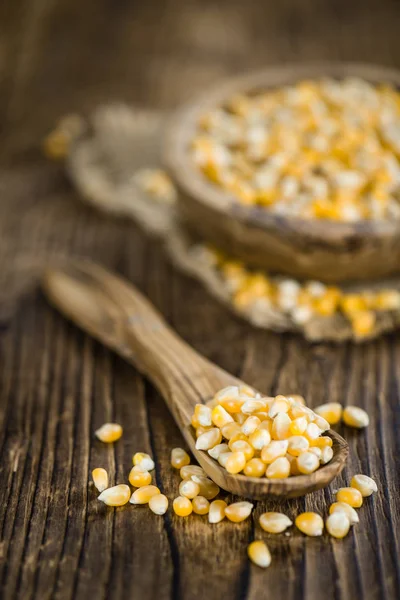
[(117, 314)]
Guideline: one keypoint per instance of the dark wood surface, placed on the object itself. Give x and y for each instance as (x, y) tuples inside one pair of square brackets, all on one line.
[(57, 385)]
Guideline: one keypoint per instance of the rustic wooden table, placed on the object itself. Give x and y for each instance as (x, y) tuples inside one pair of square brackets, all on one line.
[(57, 385)]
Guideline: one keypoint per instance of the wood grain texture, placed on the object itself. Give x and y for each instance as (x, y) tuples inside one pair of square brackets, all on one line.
[(57, 385)]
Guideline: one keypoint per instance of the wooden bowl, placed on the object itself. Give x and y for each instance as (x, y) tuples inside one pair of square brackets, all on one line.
[(326, 250)]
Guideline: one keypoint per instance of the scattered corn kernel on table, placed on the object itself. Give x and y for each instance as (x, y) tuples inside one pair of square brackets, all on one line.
[(58, 386)]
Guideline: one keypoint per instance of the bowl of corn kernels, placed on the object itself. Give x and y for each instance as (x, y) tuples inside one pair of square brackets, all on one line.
[(295, 169)]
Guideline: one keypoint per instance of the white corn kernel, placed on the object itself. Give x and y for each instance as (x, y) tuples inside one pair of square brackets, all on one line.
[(203, 415), (141, 459), (238, 511), (109, 432), (250, 425), (189, 470), (100, 479), (251, 406), (326, 455), (349, 511), (259, 439), (143, 494), (279, 469), (297, 444), (364, 484), (281, 427), (209, 439), (158, 504), (208, 488), (115, 496), (217, 511), (274, 450), (353, 416), (179, 458), (307, 463), (279, 405), (274, 522), (217, 450), (338, 524), (189, 488)]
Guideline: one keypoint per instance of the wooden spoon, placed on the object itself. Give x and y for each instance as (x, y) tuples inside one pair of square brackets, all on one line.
[(116, 314)]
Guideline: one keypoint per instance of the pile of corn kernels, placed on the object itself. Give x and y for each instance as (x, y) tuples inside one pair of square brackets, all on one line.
[(256, 291), (323, 149), (275, 437), (197, 492)]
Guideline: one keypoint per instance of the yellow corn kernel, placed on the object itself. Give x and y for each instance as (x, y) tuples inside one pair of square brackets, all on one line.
[(236, 437), (317, 451), (189, 488), (202, 415), (230, 429), (338, 524), (223, 457), (354, 416), (298, 410), (217, 450), (252, 406), (56, 145), (296, 398), (220, 416), (387, 300), (332, 412), (297, 444), (216, 511), (259, 439), (254, 468), (143, 494), (208, 488), (238, 511), (279, 405), (138, 477), (115, 496), (239, 418), (364, 484), (266, 424), (259, 554), (179, 458), (298, 426), (262, 415), (350, 496), (321, 423), (158, 504), (100, 479), (109, 432), (324, 441), (232, 405), (326, 454), (310, 523), (250, 425), (242, 446), (209, 439), (189, 470), (246, 390), (281, 427), (352, 304), (363, 323), (294, 470), (182, 506), (347, 509), (312, 432), (279, 469), (194, 422), (235, 463), (202, 429), (274, 522), (307, 463), (143, 460), (274, 450), (232, 391), (201, 505), (327, 305)]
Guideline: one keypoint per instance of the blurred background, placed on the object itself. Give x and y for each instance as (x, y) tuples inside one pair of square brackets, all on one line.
[(58, 56)]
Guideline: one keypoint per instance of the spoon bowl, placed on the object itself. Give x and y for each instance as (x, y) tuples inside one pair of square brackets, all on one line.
[(116, 314)]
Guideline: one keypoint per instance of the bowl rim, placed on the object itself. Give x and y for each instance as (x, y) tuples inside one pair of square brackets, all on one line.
[(192, 183)]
